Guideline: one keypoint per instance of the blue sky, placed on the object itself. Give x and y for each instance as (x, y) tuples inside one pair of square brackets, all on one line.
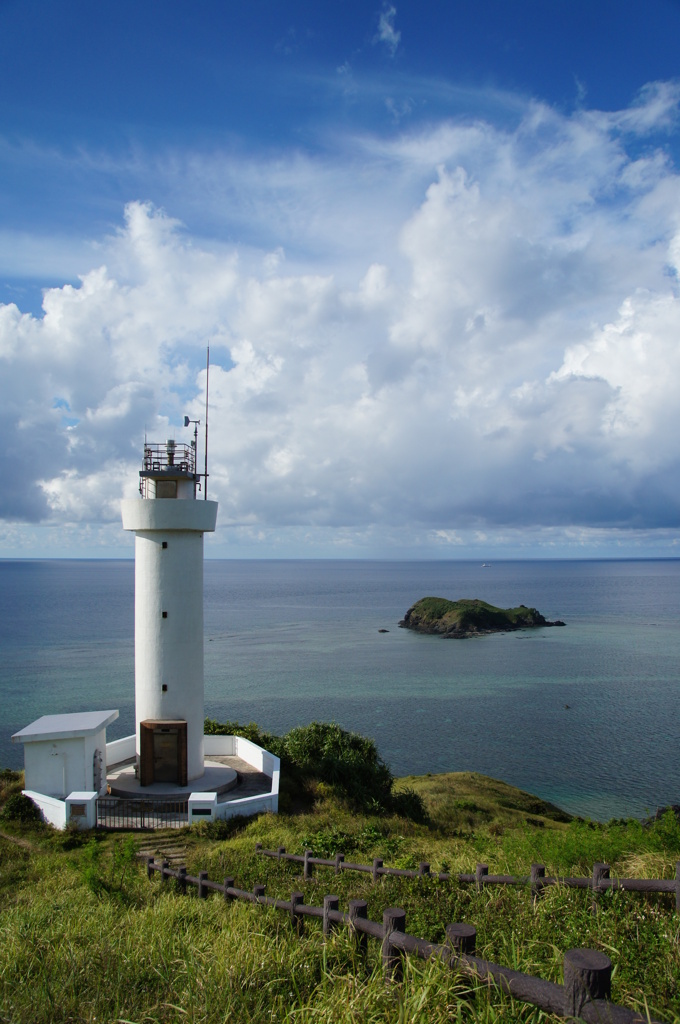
[(434, 249)]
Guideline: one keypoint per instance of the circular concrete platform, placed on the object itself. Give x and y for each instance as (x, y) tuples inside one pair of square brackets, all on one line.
[(217, 778)]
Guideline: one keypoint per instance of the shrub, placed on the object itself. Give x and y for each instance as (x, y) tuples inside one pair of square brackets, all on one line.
[(21, 809), (343, 762), (346, 761)]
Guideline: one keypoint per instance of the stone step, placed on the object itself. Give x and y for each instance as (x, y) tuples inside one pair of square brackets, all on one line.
[(176, 855)]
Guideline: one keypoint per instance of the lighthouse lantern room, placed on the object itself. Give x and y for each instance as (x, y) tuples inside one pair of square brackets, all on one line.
[(169, 521)]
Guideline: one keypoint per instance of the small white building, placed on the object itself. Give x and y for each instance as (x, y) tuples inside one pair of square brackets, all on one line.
[(63, 753)]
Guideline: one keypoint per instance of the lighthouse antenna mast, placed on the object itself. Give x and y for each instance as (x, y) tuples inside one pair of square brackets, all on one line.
[(207, 377), (194, 443)]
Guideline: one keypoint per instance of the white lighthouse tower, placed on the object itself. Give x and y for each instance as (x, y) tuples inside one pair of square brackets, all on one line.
[(169, 521)]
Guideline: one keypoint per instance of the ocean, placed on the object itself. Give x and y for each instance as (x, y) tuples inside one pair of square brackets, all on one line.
[(587, 716)]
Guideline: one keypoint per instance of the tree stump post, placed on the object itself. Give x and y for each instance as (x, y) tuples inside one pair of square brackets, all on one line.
[(377, 864), (329, 903), (462, 938), (423, 869), (587, 976), (165, 864), (481, 871), (394, 920), (182, 880), (677, 886), (339, 858), (149, 867), (258, 846), (308, 869), (537, 873), (228, 884), (297, 920), (358, 910), (202, 887), (258, 891), (280, 852)]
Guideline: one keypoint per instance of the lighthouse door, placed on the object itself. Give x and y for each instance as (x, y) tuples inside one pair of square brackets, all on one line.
[(163, 752)]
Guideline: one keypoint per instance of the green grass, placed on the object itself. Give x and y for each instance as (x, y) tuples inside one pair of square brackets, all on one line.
[(84, 936)]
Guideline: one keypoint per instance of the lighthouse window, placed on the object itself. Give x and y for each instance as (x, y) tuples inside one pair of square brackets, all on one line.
[(166, 488), (165, 544), (165, 615)]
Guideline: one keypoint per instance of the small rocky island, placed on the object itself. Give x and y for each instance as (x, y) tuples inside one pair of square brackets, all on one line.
[(459, 619)]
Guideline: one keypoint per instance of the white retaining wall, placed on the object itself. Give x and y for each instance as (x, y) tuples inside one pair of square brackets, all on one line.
[(52, 810), (223, 746), (258, 758), (120, 750)]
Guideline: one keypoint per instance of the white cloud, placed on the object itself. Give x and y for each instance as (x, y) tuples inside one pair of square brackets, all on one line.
[(387, 33), (488, 345)]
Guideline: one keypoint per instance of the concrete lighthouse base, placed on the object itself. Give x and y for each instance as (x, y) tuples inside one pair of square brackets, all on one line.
[(217, 778)]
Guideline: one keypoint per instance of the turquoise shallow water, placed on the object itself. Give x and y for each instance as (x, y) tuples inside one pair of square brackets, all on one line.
[(287, 642)]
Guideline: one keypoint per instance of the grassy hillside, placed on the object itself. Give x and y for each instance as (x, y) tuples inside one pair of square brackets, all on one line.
[(457, 800), (84, 936)]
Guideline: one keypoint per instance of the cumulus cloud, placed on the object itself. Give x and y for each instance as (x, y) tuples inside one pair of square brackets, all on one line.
[(498, 356)]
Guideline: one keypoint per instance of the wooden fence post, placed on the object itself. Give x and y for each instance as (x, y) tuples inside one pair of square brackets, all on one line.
[(587, 976), (600, 871), (480, 871), (394, 920), (258, 890), (339, 858), (149, 868), (358, 909), (182, 879), (423, 868), (280, 852), (258, 846), (377, 863), (462, 937), (677, 886), (297, 920), (202, 888), (329, 903), (164, 870), (228, 884), (308, 868), (537, 872)]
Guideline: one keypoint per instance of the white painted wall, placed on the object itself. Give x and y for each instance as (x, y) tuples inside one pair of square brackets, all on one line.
[(169, 651), (224, 746), (58, 766), (202, 807), (52, 810), (120, 750), (260, 759), (253, 755), (88, 802)]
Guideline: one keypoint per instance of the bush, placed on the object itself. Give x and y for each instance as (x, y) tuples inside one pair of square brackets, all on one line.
[(344, 760), (409, 804), (348, 764), (21, 809)]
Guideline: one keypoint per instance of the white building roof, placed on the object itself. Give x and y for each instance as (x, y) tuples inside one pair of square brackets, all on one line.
[(63, 727)]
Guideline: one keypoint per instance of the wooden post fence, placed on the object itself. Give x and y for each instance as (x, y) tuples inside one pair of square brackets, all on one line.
[(587, 973), (599, 882)]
